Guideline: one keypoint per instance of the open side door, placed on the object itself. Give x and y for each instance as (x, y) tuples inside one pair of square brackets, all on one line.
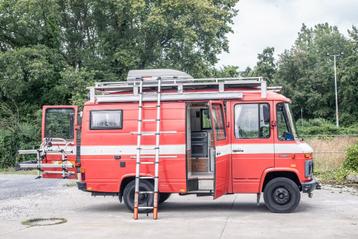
[(220, 148), (59, 140), (56, 156)]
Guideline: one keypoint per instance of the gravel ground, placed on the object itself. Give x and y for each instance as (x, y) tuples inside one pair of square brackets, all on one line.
[(331, 213)]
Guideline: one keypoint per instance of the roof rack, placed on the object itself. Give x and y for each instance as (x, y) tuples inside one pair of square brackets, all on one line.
[(176, 85)]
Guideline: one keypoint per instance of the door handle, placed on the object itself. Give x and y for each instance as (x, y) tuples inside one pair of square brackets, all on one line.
[(283, 155), (117, 157), (237, 150)]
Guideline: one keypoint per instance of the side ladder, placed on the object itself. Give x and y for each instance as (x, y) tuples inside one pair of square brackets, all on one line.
[(139, 156)]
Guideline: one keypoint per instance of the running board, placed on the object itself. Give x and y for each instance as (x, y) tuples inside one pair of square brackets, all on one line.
[(198, 193)]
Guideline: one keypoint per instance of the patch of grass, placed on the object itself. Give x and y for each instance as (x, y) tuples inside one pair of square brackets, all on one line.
[(330, 157), (329, 153), (336, 176), (13, 171)]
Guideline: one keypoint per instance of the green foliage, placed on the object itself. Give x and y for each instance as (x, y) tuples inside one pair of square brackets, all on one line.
[(323, 127), (306, 73), (226, 71), (113, 36), (351, 161), (29, 22), (266, 66), (333, 176), (51, 50)]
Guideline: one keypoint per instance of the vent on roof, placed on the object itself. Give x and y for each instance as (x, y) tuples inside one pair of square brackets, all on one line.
[(152, 73)]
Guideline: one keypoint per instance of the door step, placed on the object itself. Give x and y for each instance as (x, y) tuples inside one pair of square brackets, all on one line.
[(199, 193)]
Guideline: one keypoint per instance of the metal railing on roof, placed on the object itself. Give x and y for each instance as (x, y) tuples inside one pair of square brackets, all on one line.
[(182, 87)]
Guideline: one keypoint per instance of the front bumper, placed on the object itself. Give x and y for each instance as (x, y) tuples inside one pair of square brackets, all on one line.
[(308, 187)]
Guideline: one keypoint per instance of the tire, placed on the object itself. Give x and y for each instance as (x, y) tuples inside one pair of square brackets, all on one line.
[(281, 195), (144, 199), (163, 197)]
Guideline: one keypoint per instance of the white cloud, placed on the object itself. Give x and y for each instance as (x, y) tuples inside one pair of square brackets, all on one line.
[(275, 23)]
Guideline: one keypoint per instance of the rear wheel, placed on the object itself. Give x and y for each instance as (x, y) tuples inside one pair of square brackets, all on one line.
[(163, 197), (144, 200), (281, 195)]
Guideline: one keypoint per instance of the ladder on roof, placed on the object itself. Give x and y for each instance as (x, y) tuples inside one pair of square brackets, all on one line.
[(139, 176)]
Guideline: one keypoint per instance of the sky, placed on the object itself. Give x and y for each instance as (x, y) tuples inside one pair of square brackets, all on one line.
[(276, 23)]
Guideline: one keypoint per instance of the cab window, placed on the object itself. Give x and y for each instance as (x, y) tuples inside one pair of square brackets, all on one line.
[(252, 121), (285, 124)]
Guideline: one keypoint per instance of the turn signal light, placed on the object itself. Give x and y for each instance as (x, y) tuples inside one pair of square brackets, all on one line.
[(308, 155)]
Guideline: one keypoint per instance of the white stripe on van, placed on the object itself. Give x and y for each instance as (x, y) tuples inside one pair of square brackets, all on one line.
[(131, 149), (180, 149)]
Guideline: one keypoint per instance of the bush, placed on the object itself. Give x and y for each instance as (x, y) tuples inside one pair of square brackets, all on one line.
[(25, 136), (351, 162), (323, 127)]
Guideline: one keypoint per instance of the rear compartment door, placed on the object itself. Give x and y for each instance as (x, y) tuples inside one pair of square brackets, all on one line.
[(220, 148), (59, 136)]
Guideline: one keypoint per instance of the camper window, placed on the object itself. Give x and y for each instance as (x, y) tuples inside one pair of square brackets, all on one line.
[(106, 119)]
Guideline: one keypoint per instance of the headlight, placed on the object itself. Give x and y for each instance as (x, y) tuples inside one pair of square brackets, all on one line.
[(308, 168)]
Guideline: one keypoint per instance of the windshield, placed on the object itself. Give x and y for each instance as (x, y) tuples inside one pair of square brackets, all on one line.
[(285, 125)]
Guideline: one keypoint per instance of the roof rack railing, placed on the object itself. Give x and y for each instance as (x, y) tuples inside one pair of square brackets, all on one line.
[(180, 82)]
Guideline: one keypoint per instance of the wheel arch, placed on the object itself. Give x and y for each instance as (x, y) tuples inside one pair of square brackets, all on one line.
[(270, 174), (124, 182)]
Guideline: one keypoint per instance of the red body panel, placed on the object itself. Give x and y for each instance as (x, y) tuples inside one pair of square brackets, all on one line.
[(103, 172)]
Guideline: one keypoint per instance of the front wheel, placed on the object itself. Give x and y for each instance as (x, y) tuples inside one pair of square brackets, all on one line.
[(281, 195), (145, 199)]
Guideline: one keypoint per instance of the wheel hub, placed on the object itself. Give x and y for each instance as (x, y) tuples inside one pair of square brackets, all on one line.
[(142, 198), (281, 195)]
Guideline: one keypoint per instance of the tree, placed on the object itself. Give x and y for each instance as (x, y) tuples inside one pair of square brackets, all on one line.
[(349, 81), (31, 22), (226, 71), (50, 50), (306, 70), (266, 66), (114, 36)]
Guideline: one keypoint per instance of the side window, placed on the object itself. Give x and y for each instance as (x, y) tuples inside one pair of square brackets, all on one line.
[(59, 123), (252, 121), (205, 119), (284, 128), (218, 119), (106, 119)]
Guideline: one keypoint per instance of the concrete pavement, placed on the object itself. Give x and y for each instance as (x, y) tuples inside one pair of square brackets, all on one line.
[(331, 213)]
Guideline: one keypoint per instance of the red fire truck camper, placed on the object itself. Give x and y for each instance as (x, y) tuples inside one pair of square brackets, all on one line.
[(163, 132)]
